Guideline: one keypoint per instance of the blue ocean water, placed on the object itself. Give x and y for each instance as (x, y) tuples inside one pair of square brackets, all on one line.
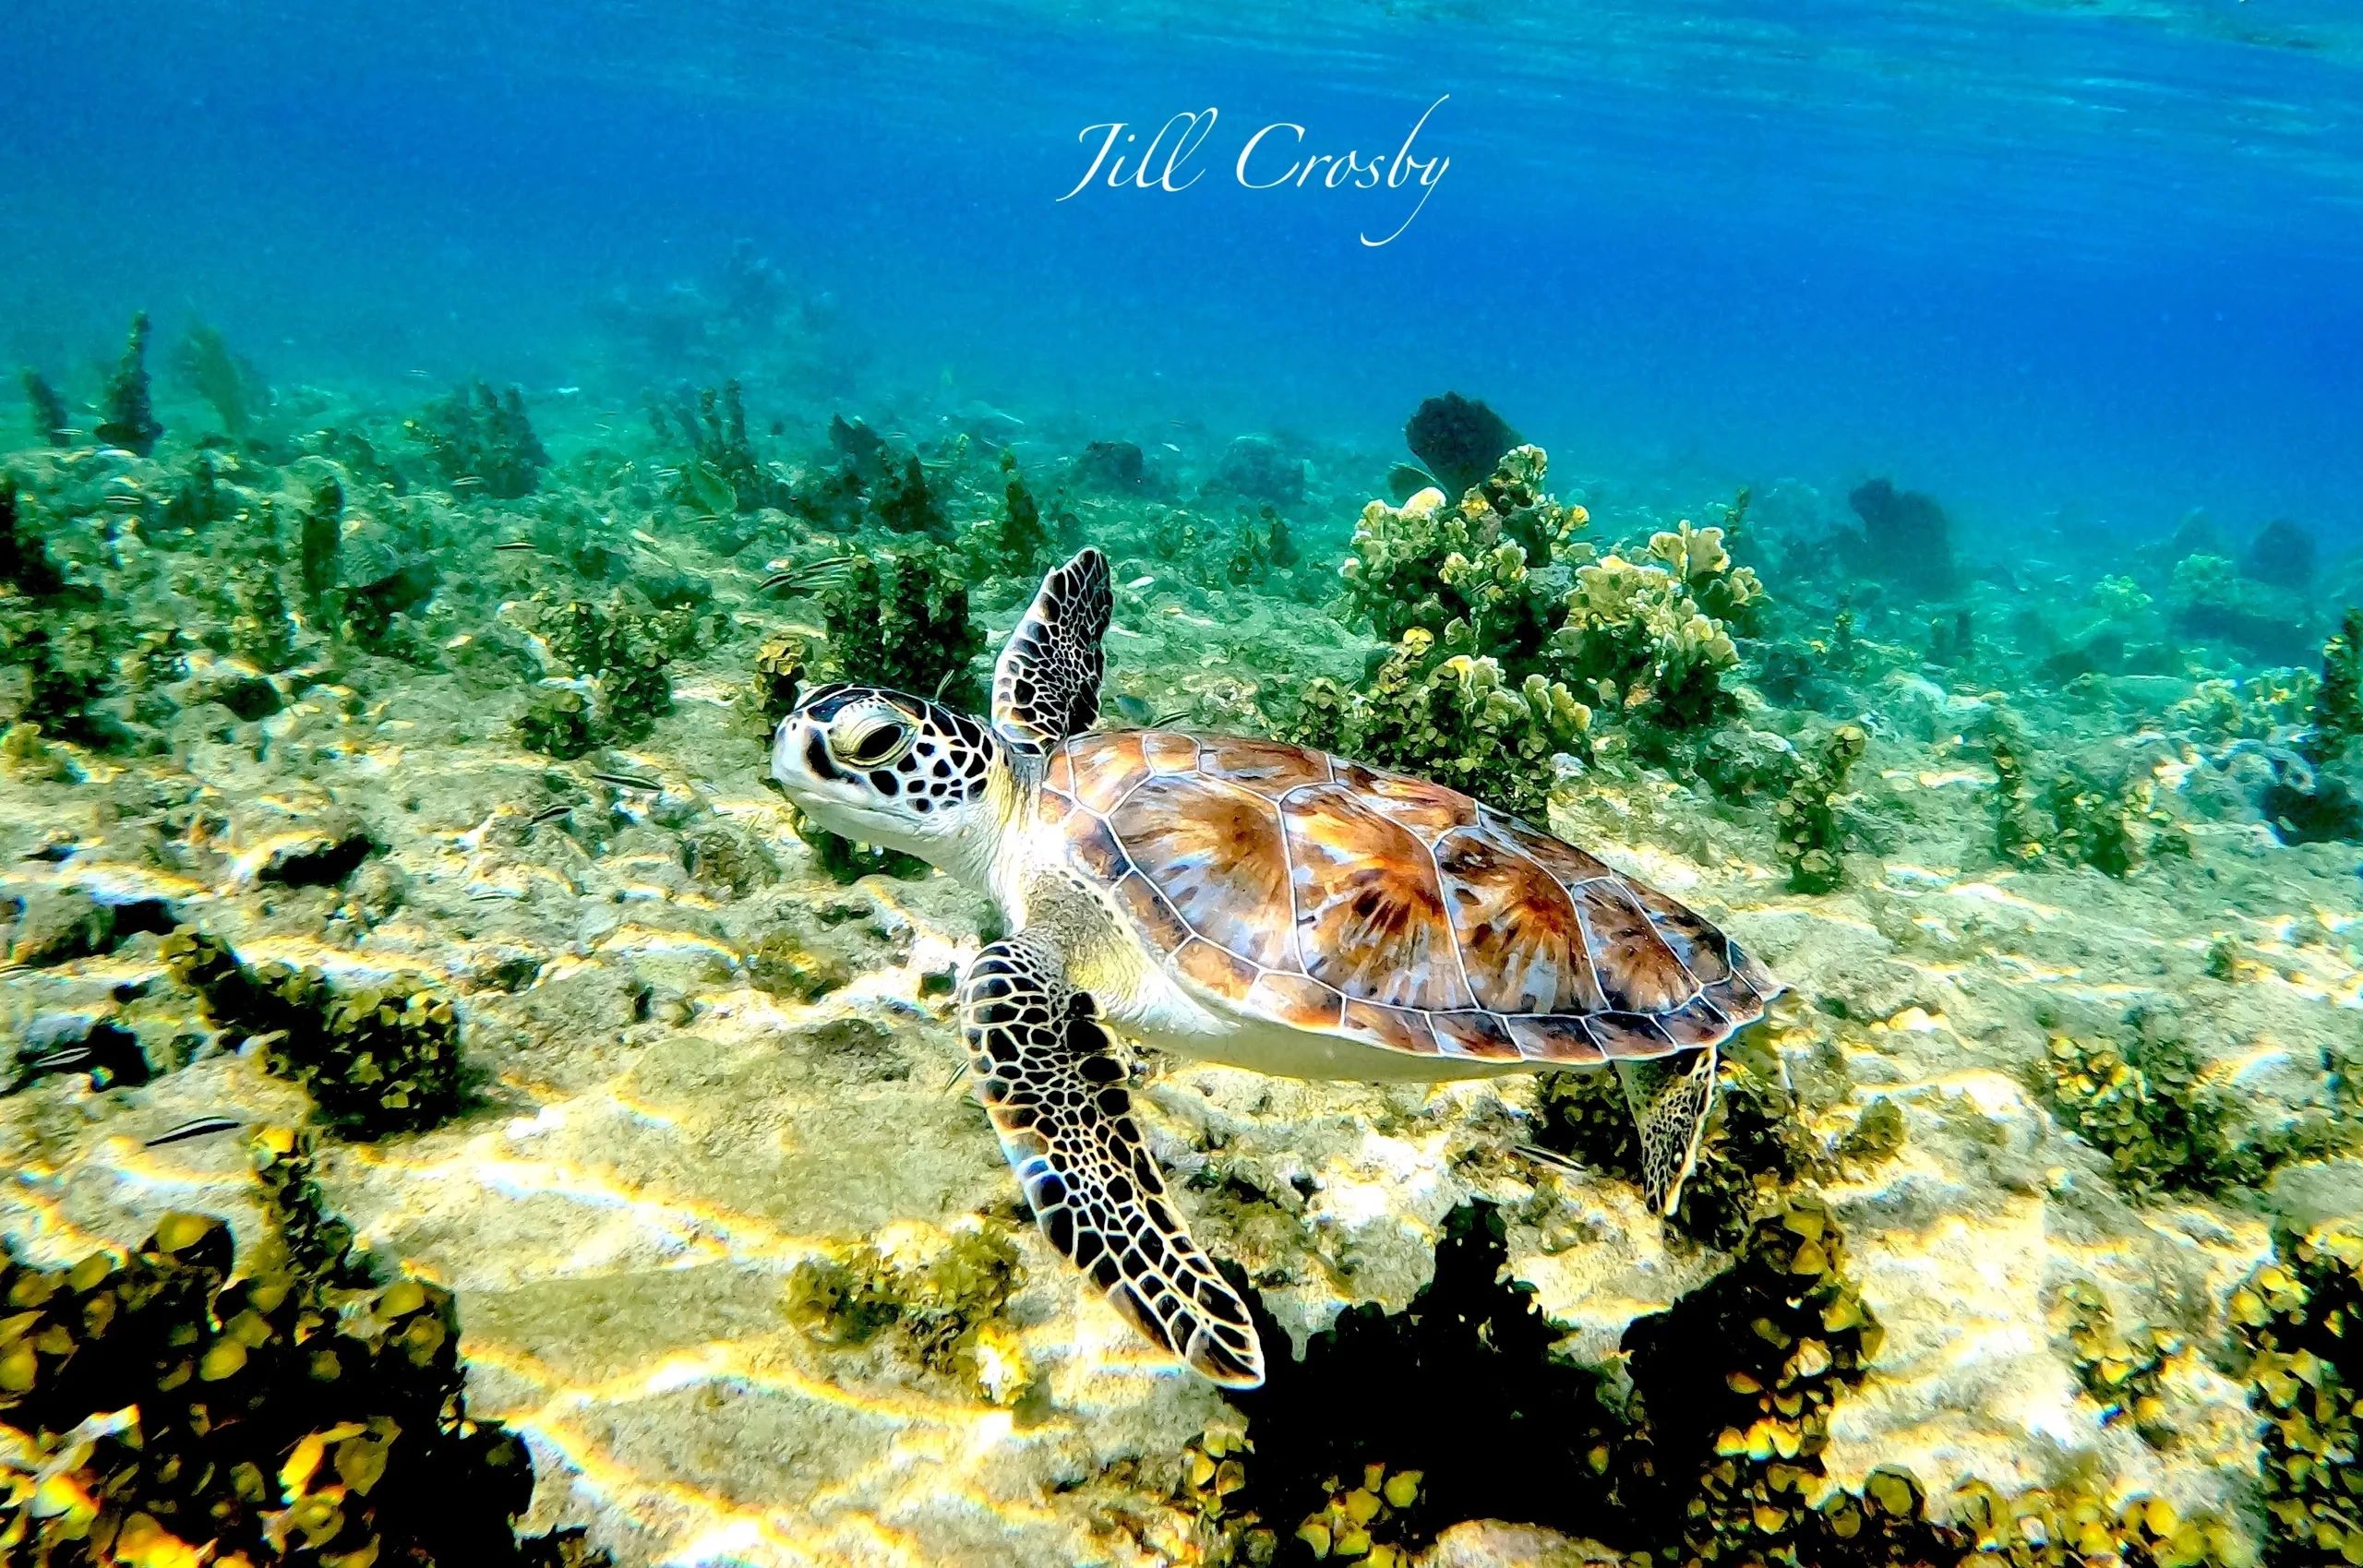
[(2099, 260)]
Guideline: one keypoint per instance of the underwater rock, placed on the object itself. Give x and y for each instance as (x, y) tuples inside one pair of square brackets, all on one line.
[(2209, 598), (2306, 805), (1905, 539), (1459, 439)]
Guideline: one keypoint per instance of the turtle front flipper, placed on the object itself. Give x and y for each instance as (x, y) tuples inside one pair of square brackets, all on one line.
[(1045, 683), (1047, 1070), (1669, 1098)]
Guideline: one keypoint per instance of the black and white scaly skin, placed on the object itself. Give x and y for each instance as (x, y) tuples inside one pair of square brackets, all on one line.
[(1047, 1073), (1045, 683)]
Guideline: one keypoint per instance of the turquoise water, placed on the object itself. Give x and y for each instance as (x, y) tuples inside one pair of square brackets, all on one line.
[(2041, 257)]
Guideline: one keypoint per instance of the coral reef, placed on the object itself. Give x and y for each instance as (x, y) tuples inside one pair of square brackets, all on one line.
[(1452, 717), (1115, 468), (2119, 1370), (203, 359), (1430, 562), (2282, 554), (903, 623), (130, 416), (51, 420), (1637, 640), (24, 558), (376, 1060), (558, 724), (2294, 1317), (480, 440), (2210, 599), (1017, 543), (1459, 438), (1905, 540), (722, 475), (626, 651), (2144, 1105), (183, 1406), (2338, 701), (319, 536)]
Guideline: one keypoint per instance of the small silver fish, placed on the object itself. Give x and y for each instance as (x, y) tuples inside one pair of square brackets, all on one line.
[(203, 1127), (62, 1060), (549, 815), (1551, 1157), (629, 781), (518, 544)]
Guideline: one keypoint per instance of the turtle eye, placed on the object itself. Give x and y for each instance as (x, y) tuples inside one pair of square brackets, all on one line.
[(872, 742)]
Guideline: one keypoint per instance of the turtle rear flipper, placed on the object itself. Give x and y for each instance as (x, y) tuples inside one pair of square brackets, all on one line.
[(1045, 683), (1046, 1070), (1669, 1098)]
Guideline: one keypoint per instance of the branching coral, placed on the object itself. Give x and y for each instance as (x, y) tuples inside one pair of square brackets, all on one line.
[(942, 1294), (130, 416), (379, 1060), (1452, 717), (2296, 1318), (1811, 835), (2073, 817), (479, 439)]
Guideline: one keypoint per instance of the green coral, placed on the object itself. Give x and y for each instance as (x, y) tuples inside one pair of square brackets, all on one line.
[(780, 667), (1452, 717), (188, 1405), (479, 439), (261, 633), (2338, 702), (376, 1060), (942, 1294), (2147, 1107), (2296, 1318), (1811, 836)]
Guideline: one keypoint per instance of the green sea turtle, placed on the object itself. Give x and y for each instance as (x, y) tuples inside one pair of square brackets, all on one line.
[(1251, 902)]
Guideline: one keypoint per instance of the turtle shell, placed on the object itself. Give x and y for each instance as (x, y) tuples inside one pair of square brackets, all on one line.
[(1349, 900)]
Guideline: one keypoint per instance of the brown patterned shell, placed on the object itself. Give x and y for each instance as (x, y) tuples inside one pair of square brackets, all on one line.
[(1349, 900)]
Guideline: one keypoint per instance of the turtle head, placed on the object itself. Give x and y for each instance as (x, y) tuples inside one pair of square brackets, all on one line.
[(888, 769)]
